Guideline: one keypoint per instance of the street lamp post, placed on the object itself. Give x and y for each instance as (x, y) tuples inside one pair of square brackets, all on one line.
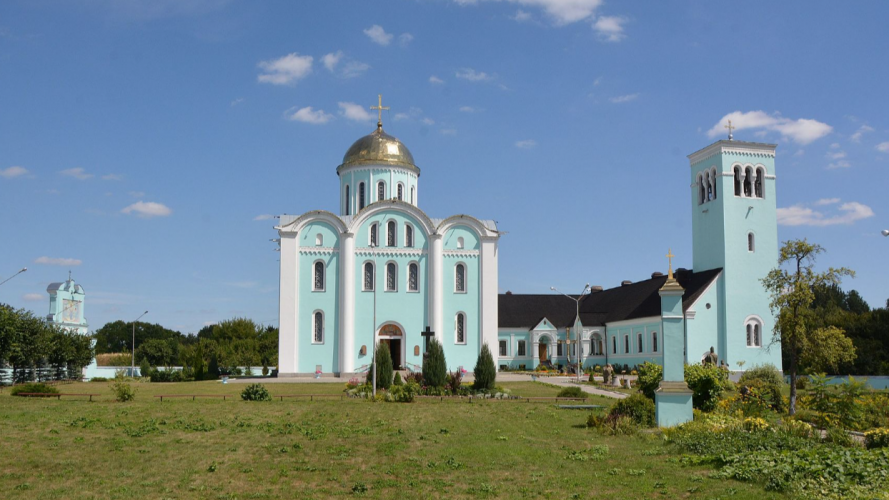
[(133, 356), (576, 321), (14, 275), (373, 366)]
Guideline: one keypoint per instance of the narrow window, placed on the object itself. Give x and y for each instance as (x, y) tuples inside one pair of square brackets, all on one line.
[(460, 242), (368, 276), (653, 341), (757, 341), (381, 191), (319, 240), (713, 183), (461, 328), (521, 349), (319, 277), (318, 329), (391, 278), (613, 345), (748, 182), (702, 190), (413, 277), (374, 233), (751, 243), (360, 196), (408, 236), (758, 182), (626, 344), (460, 278), (709, 182), (749, 335), (401, 192), (413, 200), (348, 201), (737, 181), (390, 233), (502, 347), (639, 341), (559, 349)]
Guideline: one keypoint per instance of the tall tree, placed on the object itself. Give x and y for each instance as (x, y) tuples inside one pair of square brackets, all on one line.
[(435, 368), (383, 367), (485, 373), (798, 329)]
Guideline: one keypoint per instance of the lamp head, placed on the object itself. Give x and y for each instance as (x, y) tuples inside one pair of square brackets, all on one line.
[(886, 232), (552, 288), (25, 268)]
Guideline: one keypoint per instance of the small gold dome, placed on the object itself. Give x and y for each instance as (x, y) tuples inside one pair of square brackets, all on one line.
[(379, 148)]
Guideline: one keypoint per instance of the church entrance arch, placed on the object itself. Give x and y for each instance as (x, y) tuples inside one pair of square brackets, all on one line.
[(543, 350), (392, 336)]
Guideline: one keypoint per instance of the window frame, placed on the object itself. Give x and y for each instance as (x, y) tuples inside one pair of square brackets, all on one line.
[(399, 190), (457, 327), (391, 234), (362, 196), (415, 267), (654, 341), (373, 277), (315, 287), (753, 328), (521, 348), (348, 201), (626, 343), (315, 327), (373, 235), (381, 190), (408, 235), (502, 348), (640, 343), (457, 266), (394, 277)]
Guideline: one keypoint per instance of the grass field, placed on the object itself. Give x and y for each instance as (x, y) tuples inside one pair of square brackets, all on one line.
[(233, 449)]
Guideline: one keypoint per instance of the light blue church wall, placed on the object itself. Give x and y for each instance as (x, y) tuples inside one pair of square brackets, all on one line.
[(370, 178), (466, 303), (326, 352), (703, 330), (630, 332), (512, 358)]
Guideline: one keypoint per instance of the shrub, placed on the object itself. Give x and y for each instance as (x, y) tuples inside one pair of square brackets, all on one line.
[(755, 424), (749, 403), (383, 366), (397, 380), (255, 392), (36, 387), (158, 375), (454, 382), (707, 383), (415, 377), (123, 392), (839, 437), (485, 372), (99, 379), (402, 393), (876, 438), (434, 365), (612, 425), (797, 428), (650, 376), (637, 407), (572, 392), (144, 368), (768, 383), (265, 371)]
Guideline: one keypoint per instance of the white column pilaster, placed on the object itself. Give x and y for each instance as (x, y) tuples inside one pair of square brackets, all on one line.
[(288, 328), (347, 302), (488, 296), (436, 286)]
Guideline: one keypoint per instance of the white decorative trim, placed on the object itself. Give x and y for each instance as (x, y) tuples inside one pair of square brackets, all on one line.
[(389, 252), (752, 149), (318, 250), (690, 314), (461, 253), (672, 317)]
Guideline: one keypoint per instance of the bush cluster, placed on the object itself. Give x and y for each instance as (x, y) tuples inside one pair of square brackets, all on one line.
[(876, 438), (572, 392), (123, 392), (435, 369), (767, 382), (256, 392), (35, 387), (485, 373), (637, 407)]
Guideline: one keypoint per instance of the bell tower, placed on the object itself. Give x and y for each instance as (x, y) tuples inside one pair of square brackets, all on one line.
[(735, 228)]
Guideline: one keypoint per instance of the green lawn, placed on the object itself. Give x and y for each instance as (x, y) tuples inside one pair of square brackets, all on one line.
[(218, 449)]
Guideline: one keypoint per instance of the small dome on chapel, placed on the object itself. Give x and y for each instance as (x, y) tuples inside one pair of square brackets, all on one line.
[(379, 148)]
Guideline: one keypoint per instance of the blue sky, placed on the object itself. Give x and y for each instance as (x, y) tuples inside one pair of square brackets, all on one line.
[(144, 144)]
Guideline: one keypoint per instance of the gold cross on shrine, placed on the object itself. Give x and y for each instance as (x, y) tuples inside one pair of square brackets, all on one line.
[(730, 128), (379, 107), (670, 260)]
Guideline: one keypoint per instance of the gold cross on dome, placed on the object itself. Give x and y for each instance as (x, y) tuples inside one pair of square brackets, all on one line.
[(670, 259), (730, 128), (379, 107)]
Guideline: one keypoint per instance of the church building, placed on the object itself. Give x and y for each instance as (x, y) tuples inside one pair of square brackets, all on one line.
[(381, 268)]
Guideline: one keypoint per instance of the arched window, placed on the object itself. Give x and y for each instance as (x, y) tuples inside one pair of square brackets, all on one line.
[(613, 345), (748, 182), (713, 177), (319, 240), (460, 243), (737, 181), (653, 341), (361, 196), (318, 283), (756, 335), (751, 242), (408, 235), (374, 232), (460, 278), (400, 191), (413, 277), (757, 183), (460, 328), (368, 276), (754, 332), (391, 277), (702, 190), (348, 202), (626, 344), (639, 341), (318, 328), (709, 182), (381, 191), (390, 233), (413, 200)]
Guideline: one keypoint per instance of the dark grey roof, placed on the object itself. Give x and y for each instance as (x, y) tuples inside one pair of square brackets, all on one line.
[(637, 300)]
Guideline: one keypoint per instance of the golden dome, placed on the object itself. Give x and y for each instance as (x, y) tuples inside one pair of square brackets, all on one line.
[(379, 148)]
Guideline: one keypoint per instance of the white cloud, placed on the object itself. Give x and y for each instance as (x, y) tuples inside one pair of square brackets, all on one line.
[(610, 28), (435, 80), (331, 60), (624, 98), (405, 38), (521, 16), (78, 173), (467, 109), (14, 171), (348, 69), (473, 75), (354, 112), (839, 164), (351, 69), (264, 217), (802, 131), (56, 261), (526, 144), (33, 297), (856, 137), (112, 177), (827, 201), (147, 209), (837, 155), (883, 147), (378, 35), (428, 121), (308, 115), (561, 11), (237, 101), (800, 215), (285, 70)]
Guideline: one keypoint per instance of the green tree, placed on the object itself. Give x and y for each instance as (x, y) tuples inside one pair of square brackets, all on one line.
[(117, 335), (798, 330), (383, 367), (856, 303), (156, 351), (485, 372), (435, 368)]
